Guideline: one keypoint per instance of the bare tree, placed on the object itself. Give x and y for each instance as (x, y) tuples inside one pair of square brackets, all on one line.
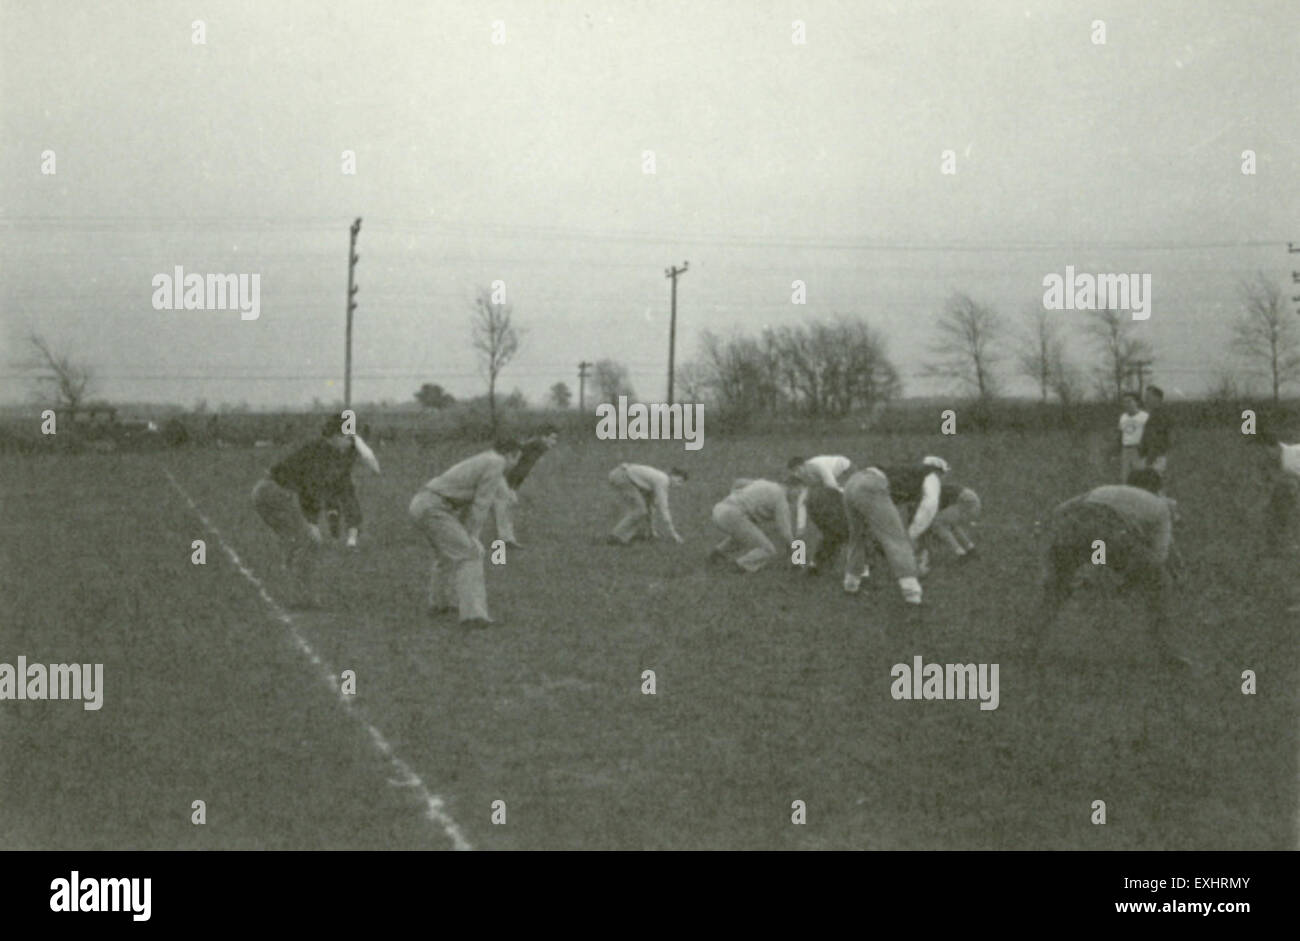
[(495, 340), (1110, 330), (1266, 335), (69, 380), (561, 395), (1042, 351), (819, 368), (1226, 388), (611, 381), (693, 382), (964, 346)]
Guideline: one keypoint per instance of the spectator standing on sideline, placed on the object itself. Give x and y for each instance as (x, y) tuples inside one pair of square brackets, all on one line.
[(1157, 435), (1131, 422)]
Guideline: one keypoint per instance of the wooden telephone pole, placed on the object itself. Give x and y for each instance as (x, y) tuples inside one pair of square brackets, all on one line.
[(582, 386), (673, 274), (353, 258), (1295, 275)]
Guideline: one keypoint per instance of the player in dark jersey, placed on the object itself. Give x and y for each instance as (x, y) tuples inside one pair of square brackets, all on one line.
[(825, 507), (289, 500), (342, 504), (533, 449)]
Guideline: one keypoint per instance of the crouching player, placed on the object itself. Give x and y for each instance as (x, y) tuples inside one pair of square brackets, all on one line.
[(450, 511), (959, 508), (918, 486), (1135, 524), (643, 490), (532, 451), (872, 513), (825, 469), (342, 502), (825, 507), (744, 514), (290, 497)]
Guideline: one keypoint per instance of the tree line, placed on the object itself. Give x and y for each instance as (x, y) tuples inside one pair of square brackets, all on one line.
[(831, 368)]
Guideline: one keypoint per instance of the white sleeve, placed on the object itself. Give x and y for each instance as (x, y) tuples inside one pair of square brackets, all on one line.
[(364, 452), (928, 507), (826, 473)]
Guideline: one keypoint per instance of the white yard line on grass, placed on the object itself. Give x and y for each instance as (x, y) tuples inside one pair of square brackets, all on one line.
[(434, 810)]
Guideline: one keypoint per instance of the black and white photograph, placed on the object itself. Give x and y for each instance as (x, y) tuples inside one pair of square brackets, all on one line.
[(524, 425)]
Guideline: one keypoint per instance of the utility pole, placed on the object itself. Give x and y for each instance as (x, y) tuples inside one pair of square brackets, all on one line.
[(582, 386), (673, 273), (1295, 275), (353, 258)]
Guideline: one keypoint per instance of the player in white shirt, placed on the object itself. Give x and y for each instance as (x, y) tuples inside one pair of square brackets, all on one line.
[(825, 469), (643, 490), (918, 488), (1131, 422)]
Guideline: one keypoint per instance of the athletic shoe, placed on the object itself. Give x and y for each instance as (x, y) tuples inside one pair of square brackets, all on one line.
[(852, 583), (477, 624)]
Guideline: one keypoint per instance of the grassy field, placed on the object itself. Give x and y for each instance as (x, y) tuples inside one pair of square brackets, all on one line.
[(770, 688)]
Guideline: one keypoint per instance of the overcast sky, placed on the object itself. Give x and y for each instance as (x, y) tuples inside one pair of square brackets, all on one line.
[(523, 162)]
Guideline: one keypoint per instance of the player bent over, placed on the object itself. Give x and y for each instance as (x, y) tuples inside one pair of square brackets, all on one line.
[(1136, 525), (826, 510), (290, 497), (643, 489), (450, 511), (751, 507), (959, 508), (873, 514), (919, 486), (825, 469), (531, 453), (343, 502)]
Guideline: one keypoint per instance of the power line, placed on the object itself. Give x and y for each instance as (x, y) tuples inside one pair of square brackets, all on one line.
[(551, 233)]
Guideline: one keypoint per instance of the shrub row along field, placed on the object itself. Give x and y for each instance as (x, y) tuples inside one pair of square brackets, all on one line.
[(20, 429), (770, 688)]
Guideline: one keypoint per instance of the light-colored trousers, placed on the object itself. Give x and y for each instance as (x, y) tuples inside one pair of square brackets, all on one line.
[(743, 533), (637, 520), (871, 511), (1129, 460), (502, 513), (278, 507), (456, 579), (950, 523)]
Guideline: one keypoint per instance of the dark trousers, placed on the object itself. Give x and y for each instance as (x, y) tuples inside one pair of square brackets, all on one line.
[(343, 503)]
